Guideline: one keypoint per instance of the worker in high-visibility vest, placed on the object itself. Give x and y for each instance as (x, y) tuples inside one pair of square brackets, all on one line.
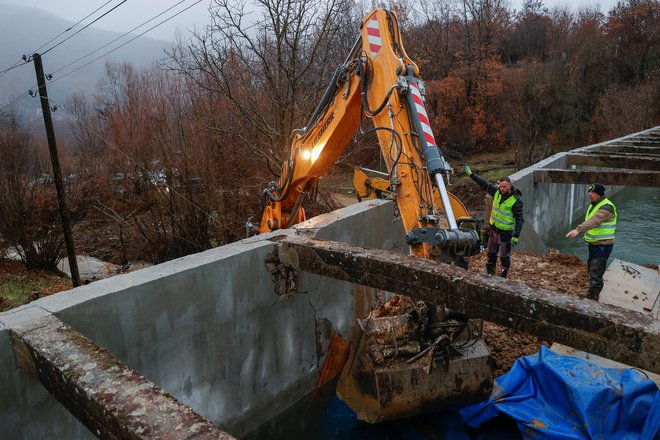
[(506, 220), (598, 228)]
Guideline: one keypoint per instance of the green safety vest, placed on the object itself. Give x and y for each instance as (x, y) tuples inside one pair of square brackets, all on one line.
[(501, 215), (605, 231)]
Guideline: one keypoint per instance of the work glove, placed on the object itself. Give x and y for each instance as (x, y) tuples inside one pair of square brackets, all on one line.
[(514, 241), (468, 170)]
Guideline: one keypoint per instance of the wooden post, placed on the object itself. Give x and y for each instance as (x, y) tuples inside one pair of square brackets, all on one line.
[(57, 171)]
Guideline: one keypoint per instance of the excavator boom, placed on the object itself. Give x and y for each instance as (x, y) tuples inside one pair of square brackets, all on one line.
[(377, 80), (426, 356)]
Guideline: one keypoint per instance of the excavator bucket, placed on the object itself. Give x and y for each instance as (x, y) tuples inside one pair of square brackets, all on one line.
[(414, 359)]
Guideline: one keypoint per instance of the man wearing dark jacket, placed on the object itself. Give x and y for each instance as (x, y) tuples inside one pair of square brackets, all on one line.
[(598, 228), (506, 220)]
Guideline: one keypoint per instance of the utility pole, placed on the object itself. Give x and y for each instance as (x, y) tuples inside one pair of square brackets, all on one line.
[(57, 171)]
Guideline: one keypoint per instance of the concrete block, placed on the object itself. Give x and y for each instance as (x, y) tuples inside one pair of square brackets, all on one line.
[(632, 286)]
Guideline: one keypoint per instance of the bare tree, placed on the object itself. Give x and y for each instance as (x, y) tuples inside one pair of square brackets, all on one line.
[(623, 109), (28, 212), (530, 36), (460, 42), (632, 31), (431, 39), (268, 62), (89, 151), (167, 186)]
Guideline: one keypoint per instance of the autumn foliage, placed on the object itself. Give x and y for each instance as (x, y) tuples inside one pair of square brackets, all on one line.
[(172, 160), (534, 80)]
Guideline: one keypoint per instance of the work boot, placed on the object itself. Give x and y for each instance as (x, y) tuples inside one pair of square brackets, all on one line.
[(504, 273), (490, 269), (594, 293)]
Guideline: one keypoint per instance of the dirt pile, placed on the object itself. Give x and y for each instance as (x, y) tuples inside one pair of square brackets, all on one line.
[(553, 271)]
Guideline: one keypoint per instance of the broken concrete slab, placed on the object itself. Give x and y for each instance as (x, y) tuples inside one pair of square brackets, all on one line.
[(613, 332), (618, 161), (632, 286), (649, 147)]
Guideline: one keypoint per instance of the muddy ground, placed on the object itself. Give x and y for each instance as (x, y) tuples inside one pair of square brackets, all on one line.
[(553, 271)]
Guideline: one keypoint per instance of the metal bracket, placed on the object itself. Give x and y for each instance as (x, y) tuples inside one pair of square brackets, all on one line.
[(402, 85)]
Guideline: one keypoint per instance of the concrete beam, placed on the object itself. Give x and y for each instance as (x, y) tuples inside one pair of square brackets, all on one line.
[(109, 398), (606, 177), (612, 332), (630, 149), (647, 140), (614, 161)]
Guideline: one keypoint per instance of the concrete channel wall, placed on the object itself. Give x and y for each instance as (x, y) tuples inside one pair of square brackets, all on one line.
[(208, 328), (549, 207)]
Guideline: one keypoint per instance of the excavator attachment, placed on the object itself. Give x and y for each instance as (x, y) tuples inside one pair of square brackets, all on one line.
[(415, 358), (422, 357), (377, 81), (368, 187)]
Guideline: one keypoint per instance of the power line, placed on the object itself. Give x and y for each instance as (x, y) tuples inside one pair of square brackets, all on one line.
[(17, 64), (118, 38), (85, 27), (125, 43), (15, 101), (70, 28), (25, 57)]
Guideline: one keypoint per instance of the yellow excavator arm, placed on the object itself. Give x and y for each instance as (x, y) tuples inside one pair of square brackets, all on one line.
[(370, 187), (377, 80)]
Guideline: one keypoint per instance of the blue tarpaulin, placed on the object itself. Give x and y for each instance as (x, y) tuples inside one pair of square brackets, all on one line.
[(561, 397)]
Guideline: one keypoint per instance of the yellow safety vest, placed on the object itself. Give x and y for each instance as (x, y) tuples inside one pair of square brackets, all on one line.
[(501, 216), (605, 231)]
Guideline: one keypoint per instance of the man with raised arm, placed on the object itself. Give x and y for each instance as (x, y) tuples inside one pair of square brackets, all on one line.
[(506, 220)]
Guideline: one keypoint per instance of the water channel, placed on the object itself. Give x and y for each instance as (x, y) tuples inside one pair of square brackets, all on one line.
[(637, 233), (323, 416)]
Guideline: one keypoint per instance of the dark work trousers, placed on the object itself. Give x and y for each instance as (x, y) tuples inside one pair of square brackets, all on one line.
[(499, 242), (598, 255)]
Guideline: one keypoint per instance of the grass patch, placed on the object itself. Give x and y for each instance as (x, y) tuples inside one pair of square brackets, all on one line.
[(19, 285), (494, 174)]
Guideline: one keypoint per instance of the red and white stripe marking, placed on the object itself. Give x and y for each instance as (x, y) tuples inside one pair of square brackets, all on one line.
[(421, 113), (373, 32)]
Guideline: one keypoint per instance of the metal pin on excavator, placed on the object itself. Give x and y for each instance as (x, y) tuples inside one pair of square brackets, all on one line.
[(421, 356)]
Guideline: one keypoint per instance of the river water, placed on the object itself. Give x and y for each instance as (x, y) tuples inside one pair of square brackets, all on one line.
[(637, 232), (323, 416)]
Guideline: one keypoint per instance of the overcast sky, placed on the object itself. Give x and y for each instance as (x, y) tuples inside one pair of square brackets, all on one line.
[(129, 14), (134, 12)]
